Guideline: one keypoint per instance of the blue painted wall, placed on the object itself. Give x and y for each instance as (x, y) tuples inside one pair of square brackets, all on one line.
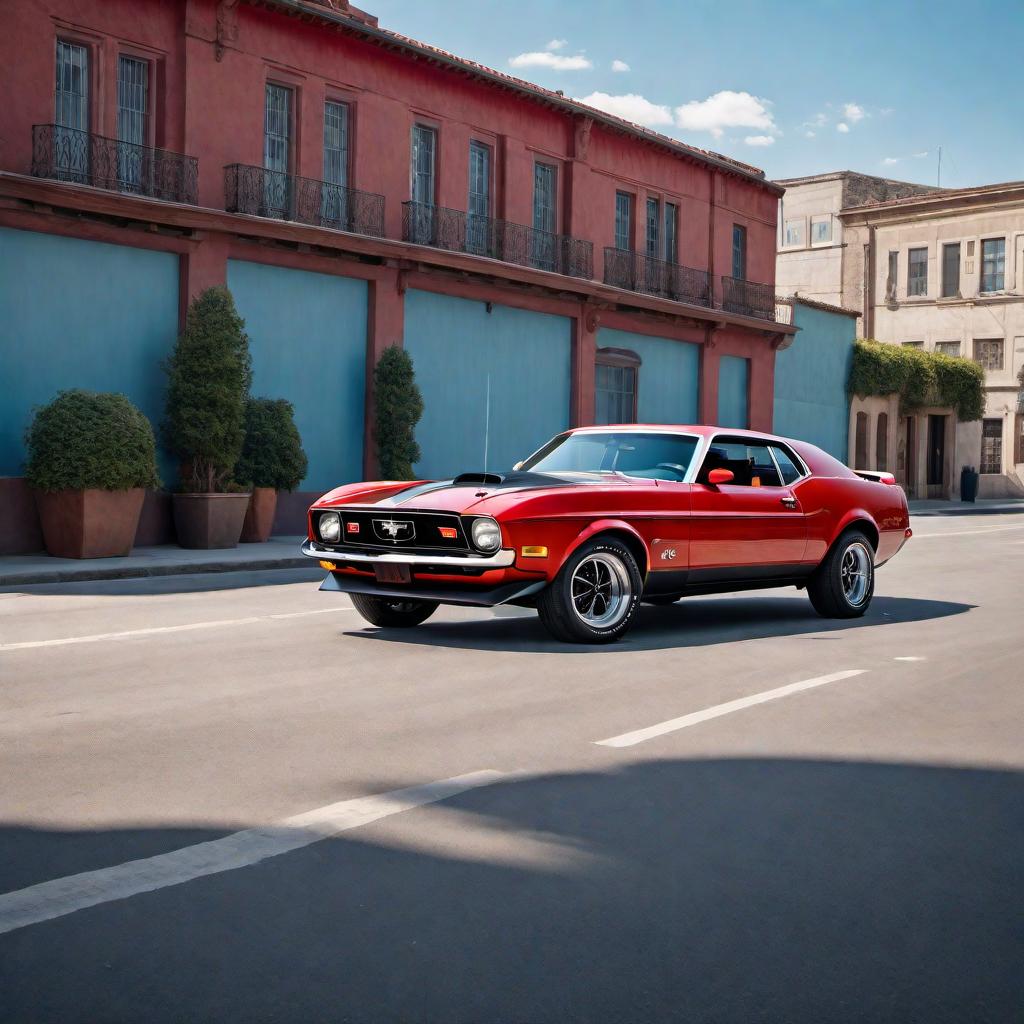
[(668, 386), (811, 403), (455, 344), (78, 314), (734, 392), (307, 334)]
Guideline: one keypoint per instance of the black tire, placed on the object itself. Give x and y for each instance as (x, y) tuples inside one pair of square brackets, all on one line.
[(393, 611), (616, 588), (843, 585)]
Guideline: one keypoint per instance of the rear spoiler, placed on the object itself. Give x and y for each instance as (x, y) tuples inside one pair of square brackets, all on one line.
[(879, 478)]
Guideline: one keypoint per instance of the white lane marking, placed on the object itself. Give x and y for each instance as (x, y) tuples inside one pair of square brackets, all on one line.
[(61, 896), (965, 533), (152, 630), (630, 739), (910, 657)]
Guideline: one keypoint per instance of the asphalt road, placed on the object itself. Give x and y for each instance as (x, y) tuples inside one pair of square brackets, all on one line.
[(225, 798)]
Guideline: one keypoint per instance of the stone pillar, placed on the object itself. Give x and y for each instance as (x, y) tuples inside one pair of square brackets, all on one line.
[(584, 350), (708, 394), (204, 266)]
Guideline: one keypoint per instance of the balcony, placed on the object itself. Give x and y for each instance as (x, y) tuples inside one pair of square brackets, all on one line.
[(638, 273), (264, 193), (455, 231), (67, 154), (748, 298)]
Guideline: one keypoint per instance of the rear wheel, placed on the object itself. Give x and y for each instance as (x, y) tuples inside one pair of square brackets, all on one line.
[(595, 595), (843, 585), (393, 611)]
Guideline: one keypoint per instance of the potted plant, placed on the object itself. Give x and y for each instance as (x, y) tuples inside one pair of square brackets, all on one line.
[(208, 378), (272, 460), (90, 458)]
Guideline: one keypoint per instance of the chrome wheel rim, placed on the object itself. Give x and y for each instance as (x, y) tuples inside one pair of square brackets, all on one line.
[(855, 573), (600, 591)]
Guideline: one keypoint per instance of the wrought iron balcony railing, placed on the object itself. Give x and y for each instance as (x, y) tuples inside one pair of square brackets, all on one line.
[(639, 273), (456, 231), (265, 193), (67, 154), (748, 298)]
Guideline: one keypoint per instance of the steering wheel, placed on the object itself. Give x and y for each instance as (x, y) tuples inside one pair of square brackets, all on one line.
[(674, 467)]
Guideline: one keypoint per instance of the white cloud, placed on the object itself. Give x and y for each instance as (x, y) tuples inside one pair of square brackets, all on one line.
[(854, 112), (809, 134), (886, 111), (726, 109), (890, 160), (760, 140), (556, 44), (819, 120), (631, 107), (920, 156), (547, 59), (842, 127), (619, 65)]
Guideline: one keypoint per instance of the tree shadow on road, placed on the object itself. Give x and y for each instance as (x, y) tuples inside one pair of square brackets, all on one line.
[(717, 891)]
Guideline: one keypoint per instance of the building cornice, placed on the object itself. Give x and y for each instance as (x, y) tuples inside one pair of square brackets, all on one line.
[(948, 202)]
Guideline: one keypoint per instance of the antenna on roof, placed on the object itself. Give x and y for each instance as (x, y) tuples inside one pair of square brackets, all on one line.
[(487, 421)]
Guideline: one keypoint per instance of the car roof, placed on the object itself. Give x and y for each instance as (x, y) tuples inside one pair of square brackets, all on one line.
[(701, 429)]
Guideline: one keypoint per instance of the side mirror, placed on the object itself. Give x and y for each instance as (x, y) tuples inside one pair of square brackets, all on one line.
[(518, 465), (720, 476)]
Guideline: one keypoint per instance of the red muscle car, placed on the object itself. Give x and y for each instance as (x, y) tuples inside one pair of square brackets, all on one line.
[(602, 518)]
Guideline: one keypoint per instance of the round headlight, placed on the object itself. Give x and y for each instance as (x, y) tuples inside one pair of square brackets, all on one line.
[(486, 534), (330, 527)]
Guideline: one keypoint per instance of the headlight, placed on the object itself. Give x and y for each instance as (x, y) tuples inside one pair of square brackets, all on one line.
[(486, 534), (330, 527)]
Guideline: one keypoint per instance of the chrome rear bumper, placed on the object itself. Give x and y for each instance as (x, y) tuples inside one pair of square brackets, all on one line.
[(499, 560)]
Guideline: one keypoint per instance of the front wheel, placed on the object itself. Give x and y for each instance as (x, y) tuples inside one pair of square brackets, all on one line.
[(842, 586), (595, 595), (393, 611)]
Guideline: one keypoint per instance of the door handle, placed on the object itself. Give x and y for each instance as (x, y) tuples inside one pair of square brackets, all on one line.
[(788, 502)]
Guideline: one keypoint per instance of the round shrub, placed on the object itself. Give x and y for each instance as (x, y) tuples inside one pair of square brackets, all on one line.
[(272, 454), (84, 439)]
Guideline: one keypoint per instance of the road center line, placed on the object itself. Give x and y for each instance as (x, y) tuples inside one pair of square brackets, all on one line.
[(61, 896), (630, 739), (154, 630)]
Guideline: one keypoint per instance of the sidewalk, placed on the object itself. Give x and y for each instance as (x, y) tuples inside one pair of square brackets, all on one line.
[(163, 560), (981, 507)]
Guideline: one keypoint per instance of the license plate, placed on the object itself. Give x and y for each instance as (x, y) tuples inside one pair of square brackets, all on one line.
[(389, 572)]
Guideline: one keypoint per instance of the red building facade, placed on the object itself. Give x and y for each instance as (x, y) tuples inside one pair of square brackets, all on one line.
[(300, 135)]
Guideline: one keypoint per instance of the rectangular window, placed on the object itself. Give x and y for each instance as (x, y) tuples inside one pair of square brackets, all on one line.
[(545, 217), (614, 394), (913, 344), (653, 228), (917, 272), (793, 232), (993, 264), (671, 227), (948, 348), (988, 353), (479, 208), (739, 252), (277, 151), (334, 205), (132, 121), (422, 164), (821, 230), (71, 112), (623, 221), (892, 277), (991, 446), (951, 270)]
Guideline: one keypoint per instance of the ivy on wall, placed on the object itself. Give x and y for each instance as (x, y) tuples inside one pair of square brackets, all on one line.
[(920, 378)]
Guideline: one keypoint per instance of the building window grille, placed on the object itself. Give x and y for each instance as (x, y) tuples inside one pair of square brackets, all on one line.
[(479, 197), (422, 165), (334, 191), (623, 221), (988, 353), (917, 272), (671, 229), (545, 217), (993, 264), (653, 228), (948, 348), (951, 270), (132, 120), (892, 278), (991, 446), (739, 252), (616, 373), (72, 109), (277, 131)]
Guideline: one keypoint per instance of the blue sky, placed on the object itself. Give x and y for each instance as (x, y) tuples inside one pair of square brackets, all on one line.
[(793, 87)]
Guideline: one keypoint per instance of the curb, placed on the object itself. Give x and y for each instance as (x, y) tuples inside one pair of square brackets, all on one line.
[(142, 571), (968, 510)]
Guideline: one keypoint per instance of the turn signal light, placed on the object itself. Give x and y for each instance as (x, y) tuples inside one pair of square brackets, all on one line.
[(448, 532), (534, 551), (351, 527), (329, 566)]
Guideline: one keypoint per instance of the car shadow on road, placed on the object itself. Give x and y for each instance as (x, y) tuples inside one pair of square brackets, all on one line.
[(692, 622), (730, 891)]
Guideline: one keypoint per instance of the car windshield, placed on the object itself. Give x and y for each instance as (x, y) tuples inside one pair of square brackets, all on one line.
[(632, 453)]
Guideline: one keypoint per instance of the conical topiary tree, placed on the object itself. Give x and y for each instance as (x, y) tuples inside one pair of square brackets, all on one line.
[(208, 379), (272, 455), (399, 407)]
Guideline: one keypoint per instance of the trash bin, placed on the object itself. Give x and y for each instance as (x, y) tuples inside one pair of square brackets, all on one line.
[(968, 484)]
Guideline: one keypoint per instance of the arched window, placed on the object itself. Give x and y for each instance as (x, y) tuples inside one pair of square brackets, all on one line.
[(882, 442), (616, 376), (860, 459)]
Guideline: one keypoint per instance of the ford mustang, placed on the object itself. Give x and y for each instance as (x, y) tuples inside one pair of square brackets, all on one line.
[(603, 518)]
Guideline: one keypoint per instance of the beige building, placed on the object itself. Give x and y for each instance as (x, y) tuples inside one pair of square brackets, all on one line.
[(941, 270)]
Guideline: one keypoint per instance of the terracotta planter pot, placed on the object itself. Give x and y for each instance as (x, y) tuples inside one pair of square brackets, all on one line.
[(209, 520), (259, 517), (90, 523)]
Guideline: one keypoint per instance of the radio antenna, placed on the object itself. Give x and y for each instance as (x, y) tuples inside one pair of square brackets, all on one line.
[(487, 422)]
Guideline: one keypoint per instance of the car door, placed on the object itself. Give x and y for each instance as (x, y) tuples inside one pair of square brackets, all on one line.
[(750, 528)]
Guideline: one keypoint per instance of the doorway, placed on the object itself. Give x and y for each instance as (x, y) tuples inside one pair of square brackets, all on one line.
[(936, 456), (907, 458)]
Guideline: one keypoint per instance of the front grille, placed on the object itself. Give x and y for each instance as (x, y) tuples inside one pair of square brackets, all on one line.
[(390, 530)]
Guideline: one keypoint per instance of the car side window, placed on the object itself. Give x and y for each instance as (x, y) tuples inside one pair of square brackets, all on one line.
[(788, 468), (751, 464)]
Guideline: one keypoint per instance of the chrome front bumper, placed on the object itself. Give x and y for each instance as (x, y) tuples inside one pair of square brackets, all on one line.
[(501, 559)]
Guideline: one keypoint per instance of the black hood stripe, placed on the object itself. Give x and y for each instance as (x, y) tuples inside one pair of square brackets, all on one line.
[(519, 481)]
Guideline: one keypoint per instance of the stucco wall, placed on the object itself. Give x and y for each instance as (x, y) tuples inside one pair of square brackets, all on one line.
[(457, 347), (79, 314), (814, 271)]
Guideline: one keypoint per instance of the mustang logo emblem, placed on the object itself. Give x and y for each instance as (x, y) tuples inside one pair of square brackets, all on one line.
[(394, 529)]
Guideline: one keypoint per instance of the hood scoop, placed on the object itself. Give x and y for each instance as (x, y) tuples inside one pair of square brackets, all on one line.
[(485, 479)]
